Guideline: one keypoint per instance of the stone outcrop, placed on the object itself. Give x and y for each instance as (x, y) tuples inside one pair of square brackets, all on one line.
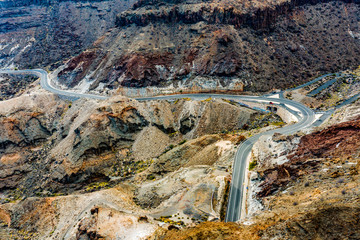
[(338, 142), (258, 15)]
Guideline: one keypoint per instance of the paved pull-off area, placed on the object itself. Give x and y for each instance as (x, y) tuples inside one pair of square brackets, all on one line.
[(236, 197)]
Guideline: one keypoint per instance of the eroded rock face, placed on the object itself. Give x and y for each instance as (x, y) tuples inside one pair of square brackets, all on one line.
[(73, 144), (256, 44), (314, 195), (26, 124), (22, 126), (95, 134), (313, 223)]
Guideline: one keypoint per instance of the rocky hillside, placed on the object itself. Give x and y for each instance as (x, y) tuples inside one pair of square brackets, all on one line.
[(40, 33), (73, 144), (182, 44), (156, 162), (313, 194), (14, 85)]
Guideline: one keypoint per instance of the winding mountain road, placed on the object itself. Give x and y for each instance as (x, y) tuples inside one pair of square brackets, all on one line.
[(305, 119), (45, 84)]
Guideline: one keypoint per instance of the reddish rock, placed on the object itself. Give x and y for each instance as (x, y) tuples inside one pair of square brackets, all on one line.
[(79, 64), (338, 141), (140, 70)]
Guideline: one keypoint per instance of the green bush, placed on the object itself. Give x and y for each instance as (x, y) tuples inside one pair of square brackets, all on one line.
[(252, 165)]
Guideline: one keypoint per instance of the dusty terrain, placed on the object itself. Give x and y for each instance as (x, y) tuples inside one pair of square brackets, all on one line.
[(170, 160)]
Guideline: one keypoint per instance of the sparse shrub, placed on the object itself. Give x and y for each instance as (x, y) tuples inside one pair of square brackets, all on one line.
[(307, 184), (278, 123), (96, 186), (343, 192), (295, 203), (252, 165), (291, 193), (182, 142)]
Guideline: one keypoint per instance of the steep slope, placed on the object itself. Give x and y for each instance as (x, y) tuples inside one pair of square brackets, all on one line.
[(196, 45)]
